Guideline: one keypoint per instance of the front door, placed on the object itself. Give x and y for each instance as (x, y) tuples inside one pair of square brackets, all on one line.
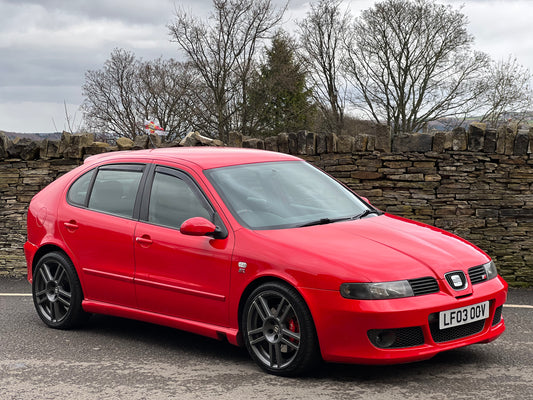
[(176, 274)]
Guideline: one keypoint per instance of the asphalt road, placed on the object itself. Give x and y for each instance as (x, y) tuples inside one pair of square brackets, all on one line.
[(113, 358)]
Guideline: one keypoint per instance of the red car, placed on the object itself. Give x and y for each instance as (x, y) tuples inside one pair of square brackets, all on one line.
[(257, 248)]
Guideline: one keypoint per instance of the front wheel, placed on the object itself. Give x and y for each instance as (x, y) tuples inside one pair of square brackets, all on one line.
[(57, 293), (278, 330)]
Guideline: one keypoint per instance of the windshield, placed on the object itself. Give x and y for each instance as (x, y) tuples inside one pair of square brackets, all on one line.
[(278, 195)]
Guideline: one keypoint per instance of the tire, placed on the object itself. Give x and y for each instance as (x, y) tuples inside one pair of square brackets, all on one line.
[(57, 293), (278, 330)]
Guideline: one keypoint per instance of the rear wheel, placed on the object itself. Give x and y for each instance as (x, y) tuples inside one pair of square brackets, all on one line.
[(57, 293), (278, 330)]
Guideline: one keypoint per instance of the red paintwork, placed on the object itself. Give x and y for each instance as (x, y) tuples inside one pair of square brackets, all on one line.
[(138, 270), (197, 226)]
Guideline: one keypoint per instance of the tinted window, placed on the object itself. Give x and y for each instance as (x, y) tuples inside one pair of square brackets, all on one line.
[(77, 194), (114, 191), (173, 200)]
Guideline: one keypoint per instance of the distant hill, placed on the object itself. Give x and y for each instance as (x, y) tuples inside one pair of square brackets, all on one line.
[(33, 136)]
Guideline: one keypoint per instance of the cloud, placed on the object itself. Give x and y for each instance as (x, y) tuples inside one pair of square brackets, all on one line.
[(46, 46)]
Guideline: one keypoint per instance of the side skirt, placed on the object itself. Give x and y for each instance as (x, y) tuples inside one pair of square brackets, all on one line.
[(200, 328)]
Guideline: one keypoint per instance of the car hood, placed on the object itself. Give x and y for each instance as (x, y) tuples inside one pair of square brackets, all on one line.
[(381, 248)]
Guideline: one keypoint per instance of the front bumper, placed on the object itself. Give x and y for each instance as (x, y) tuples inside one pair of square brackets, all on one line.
[(343, 325)]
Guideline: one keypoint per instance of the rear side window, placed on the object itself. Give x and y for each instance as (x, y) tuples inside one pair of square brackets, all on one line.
[(114, 191), (77, 194)]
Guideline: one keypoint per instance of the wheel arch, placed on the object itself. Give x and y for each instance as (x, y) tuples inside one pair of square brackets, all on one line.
[(254, 285), (50, 248)]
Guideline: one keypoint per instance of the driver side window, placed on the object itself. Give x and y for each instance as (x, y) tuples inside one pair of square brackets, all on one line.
[(173, 201)]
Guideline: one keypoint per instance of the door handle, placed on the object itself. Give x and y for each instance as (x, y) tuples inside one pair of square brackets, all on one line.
[(144, 240), (71, 225)]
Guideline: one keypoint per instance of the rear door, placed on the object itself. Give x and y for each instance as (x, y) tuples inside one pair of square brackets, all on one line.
[(97, 222)]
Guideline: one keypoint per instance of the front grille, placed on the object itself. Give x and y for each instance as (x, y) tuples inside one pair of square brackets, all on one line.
[(457, 332), (423, 286), (477, 274), (404, 337), (497, 316)]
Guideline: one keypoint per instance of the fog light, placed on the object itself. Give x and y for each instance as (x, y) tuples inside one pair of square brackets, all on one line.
[(382, 338)]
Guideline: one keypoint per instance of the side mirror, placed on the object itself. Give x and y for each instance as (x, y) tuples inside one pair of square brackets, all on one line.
[(198, 226), (365, 199)]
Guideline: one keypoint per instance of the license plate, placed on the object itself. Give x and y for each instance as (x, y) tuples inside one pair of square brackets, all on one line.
[(463, 315)]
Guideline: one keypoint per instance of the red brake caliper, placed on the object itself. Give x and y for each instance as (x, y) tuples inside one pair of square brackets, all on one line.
[(293, 327)]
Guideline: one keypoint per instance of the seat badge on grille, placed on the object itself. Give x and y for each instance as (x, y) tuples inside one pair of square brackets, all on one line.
[(242, 267), (457, 280)]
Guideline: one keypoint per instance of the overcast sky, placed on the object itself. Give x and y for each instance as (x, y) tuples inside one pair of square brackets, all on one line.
[(46, 46)]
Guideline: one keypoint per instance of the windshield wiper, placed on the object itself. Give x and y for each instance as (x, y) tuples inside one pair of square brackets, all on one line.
[(324, 221), (367, 212)]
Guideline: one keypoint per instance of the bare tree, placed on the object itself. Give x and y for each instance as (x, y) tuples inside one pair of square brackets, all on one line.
[(411, 62), (321, 36), (110, 105), (223, 50), (508, 93), (166, 95), (126, 92)]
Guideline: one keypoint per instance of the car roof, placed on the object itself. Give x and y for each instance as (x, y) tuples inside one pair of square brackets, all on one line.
[(204, 157)]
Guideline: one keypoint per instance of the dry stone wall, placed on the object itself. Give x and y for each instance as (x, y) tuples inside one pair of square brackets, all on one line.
[(476, 183)]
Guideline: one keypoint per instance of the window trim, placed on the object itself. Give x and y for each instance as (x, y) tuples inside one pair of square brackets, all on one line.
[(191, 182), (128, 166)]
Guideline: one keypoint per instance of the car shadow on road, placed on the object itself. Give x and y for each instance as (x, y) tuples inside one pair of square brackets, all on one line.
[(171, 342)]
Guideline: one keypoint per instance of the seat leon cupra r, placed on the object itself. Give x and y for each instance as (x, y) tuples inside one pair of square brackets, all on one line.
[(257, 248)]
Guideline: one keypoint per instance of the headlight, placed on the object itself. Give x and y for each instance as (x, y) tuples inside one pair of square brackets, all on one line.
[(376, 291), (490, 270)]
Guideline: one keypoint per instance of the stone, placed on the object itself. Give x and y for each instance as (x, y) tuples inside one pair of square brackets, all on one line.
[(253, 143), (383, 138), (283, 143), (4, 143), (301, 147), (331, 143), (321, 146), (500, 139), (293, 143), (345, 144), (25, 149), (124, 143), (49, 149), (97, 148), (72, 146), (360, 143), (310, 144), (271, 143), (521, 143), (459, 142), (509, 138), (64, 143), (414, 142), (491, 137), (476, 136), (235, 139), (195, 139), (141, 142), (439, 142)]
